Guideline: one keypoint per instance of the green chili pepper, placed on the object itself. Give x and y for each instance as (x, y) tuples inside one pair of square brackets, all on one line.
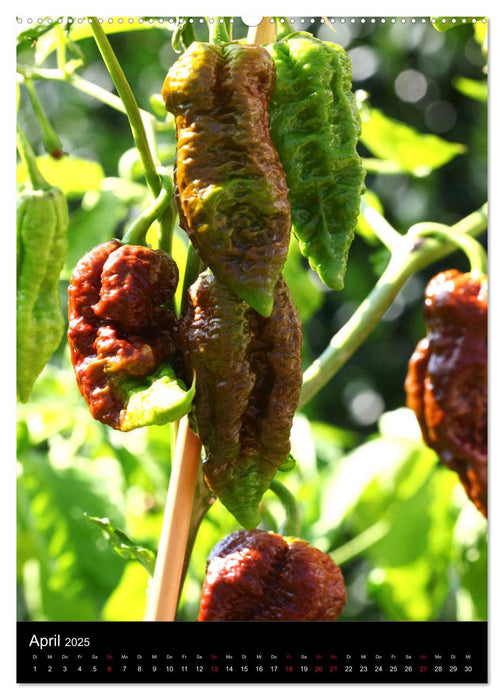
[(315, 126), (42, 222)]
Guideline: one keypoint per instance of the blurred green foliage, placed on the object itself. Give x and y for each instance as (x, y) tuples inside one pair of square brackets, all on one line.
[(410, 544)]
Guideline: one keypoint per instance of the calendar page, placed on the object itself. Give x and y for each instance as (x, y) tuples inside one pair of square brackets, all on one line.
[(251, 350)]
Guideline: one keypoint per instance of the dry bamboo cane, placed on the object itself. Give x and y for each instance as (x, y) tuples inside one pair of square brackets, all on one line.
[(165, 584), (263, 33)]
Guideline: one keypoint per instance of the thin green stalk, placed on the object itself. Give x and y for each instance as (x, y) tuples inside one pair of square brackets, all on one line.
[(29, 159), (385, 232), (359, 544), (292, 523), (410, 255), (474, 251), (130, 105), (217, 30), (50, 138), (194, 265), (136, 233)]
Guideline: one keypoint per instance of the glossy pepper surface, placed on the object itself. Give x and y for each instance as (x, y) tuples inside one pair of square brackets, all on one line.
[(248, 380), (42, 222), (315, 126), (123, 340), (446, 384), (257, 576), (230, 185)]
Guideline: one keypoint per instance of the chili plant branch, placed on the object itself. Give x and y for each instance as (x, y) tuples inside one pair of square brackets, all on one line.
[(411, 254), (130, 105)]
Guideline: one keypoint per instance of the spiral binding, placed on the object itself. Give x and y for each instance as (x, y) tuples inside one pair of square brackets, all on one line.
[(171, 21)]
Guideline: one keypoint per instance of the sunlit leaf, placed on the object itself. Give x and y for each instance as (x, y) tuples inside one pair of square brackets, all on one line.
[(76, 574), (123, 546), (412, 152), (74, 176), (80, 30), (443, 24), (411, 576), (475, 89), (128, 601)]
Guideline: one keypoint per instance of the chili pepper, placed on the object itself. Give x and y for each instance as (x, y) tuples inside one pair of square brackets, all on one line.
[(315, 127), (231, 190), (42, 222), (248, 380), (446, 384), (123, 340), (257, 576)]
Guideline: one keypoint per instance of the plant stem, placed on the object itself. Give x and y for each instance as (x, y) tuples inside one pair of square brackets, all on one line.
[(194, 266), (413, 254), (203, 500), (292, 524), (135, 235), (359, 544), (52, 143), (130, 105), (217, 30), (474, 251), (36, 178), (166, 583), (385, 232)]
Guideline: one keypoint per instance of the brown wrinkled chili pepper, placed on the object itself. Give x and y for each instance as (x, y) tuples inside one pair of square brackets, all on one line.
[(248, 380), (230, 186), (256, 576), (119, 327), (446, 384)]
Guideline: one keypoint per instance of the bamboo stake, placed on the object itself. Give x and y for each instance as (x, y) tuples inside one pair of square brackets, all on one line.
[(263, 33), (165, 585)]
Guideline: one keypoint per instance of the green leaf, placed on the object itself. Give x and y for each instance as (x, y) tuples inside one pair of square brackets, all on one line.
[(67, 574), (472, 563), (475, 89), (123, 546), (411, 579), (400, 144), (91, 225), (74, 176), (127, 602), (28, 38)]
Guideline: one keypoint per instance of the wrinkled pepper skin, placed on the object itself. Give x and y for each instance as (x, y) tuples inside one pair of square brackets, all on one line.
[(42, 222), (248, 380), (315, 126), (230, 186), (446, 383), (257, 576), (119, 329)]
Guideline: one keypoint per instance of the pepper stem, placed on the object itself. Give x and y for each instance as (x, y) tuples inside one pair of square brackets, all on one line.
[(52, 143), (292, 523), (137, 231), (29, 159), (473, 249), (130, 105), (219, 30)]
